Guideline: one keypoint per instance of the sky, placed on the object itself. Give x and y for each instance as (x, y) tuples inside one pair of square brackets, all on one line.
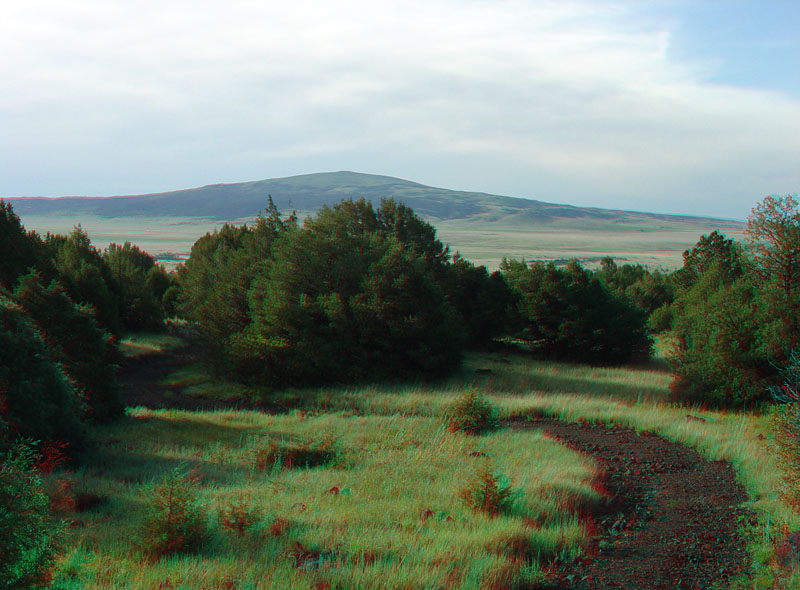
[(673, 106)]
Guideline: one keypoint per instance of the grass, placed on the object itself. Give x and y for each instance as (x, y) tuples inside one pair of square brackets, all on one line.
[(386, 513), (384, 505), (146, 344)]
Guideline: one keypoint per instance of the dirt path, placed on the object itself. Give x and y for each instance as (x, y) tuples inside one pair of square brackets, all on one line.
[(673, 516)]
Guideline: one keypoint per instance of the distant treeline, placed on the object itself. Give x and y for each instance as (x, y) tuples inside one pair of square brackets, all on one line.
[(359, 292)]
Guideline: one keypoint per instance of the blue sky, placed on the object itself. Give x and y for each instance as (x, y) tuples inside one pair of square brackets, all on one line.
[(670, 106)]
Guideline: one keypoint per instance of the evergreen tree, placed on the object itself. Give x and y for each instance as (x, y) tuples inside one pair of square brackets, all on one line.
[(37, 400), (568, 314), (86, 353)]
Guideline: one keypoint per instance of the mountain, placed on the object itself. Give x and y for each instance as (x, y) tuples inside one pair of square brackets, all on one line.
[(306, 193)]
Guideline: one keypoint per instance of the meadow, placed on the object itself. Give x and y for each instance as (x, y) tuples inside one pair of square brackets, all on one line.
[(364, 486), (484, 243)]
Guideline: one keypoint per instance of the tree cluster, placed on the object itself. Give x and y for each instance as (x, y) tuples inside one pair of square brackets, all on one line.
[(63, 302), (737, 309), (354, 293), (570, 314)]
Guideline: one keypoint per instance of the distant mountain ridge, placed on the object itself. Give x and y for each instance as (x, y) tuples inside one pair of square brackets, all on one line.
[(306, 193)]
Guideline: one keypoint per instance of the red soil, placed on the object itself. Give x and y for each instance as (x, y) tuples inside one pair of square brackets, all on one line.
[(673, 519)]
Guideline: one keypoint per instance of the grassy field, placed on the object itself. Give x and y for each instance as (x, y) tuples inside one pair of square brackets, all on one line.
[(363, 487), (657, 246)]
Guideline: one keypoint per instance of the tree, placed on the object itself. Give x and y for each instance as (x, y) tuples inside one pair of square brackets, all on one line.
[(36, 399), (214, 283), (568, 314), (773, 234), (139, 284), (28, 534), (713, 250), (18, 248), (76, 342), (339, 302), (719, 359), (81, 270)]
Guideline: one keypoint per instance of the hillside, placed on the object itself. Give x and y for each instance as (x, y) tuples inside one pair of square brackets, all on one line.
[(306, 193)]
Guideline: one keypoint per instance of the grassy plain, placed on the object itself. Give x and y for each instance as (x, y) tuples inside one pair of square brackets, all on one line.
[(657, 245), (384, 509)]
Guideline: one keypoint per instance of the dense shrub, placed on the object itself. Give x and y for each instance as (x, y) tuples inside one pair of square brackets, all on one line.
[(36, 398), (568, 314), (173, 521), (87, 354), (28, 535)]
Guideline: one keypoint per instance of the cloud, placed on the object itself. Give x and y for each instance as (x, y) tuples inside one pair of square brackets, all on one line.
[(568, 101)]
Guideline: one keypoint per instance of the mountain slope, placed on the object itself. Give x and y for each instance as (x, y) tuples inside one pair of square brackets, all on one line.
[(306, 193)]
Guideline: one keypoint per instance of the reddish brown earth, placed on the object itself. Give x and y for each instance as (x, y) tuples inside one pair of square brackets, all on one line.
[(672, 520)]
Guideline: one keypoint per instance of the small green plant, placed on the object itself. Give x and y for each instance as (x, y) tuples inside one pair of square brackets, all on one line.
[(174, 521), (295, 454), (28, 534), (489, 492), (238, 516), (471, 414)]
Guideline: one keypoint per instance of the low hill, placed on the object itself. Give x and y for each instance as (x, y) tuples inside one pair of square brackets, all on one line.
[(483, 227), (306, 193)]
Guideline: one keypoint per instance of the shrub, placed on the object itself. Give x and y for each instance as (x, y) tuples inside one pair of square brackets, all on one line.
[(174, 521), (295, 454), (489, 492), (471, 414), (238, 516), (28, 534)]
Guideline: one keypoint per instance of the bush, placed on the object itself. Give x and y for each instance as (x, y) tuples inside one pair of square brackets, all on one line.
[(489, 492), (295, 454), (28, 534), (238, 516), (174, 521), (471, 414)]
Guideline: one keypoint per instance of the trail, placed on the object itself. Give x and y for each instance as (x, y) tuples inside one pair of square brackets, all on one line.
[(673, 515)]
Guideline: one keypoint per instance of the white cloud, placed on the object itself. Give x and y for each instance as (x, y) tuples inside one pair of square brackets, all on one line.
[(568, 101)]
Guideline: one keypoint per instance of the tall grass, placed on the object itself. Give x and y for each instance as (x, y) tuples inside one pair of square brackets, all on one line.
[(387, 511)]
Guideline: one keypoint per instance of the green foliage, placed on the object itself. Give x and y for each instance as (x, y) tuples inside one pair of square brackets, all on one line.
[(483, 300), (719, 360), (568, 314), (711, 251), (786, 426), (173, 521), (339, 303), (86, 353), (85, 276), (36, 398), (20, 248), (471, 414), (139, 284), (28, 535), (488, 492), (213, 285)]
